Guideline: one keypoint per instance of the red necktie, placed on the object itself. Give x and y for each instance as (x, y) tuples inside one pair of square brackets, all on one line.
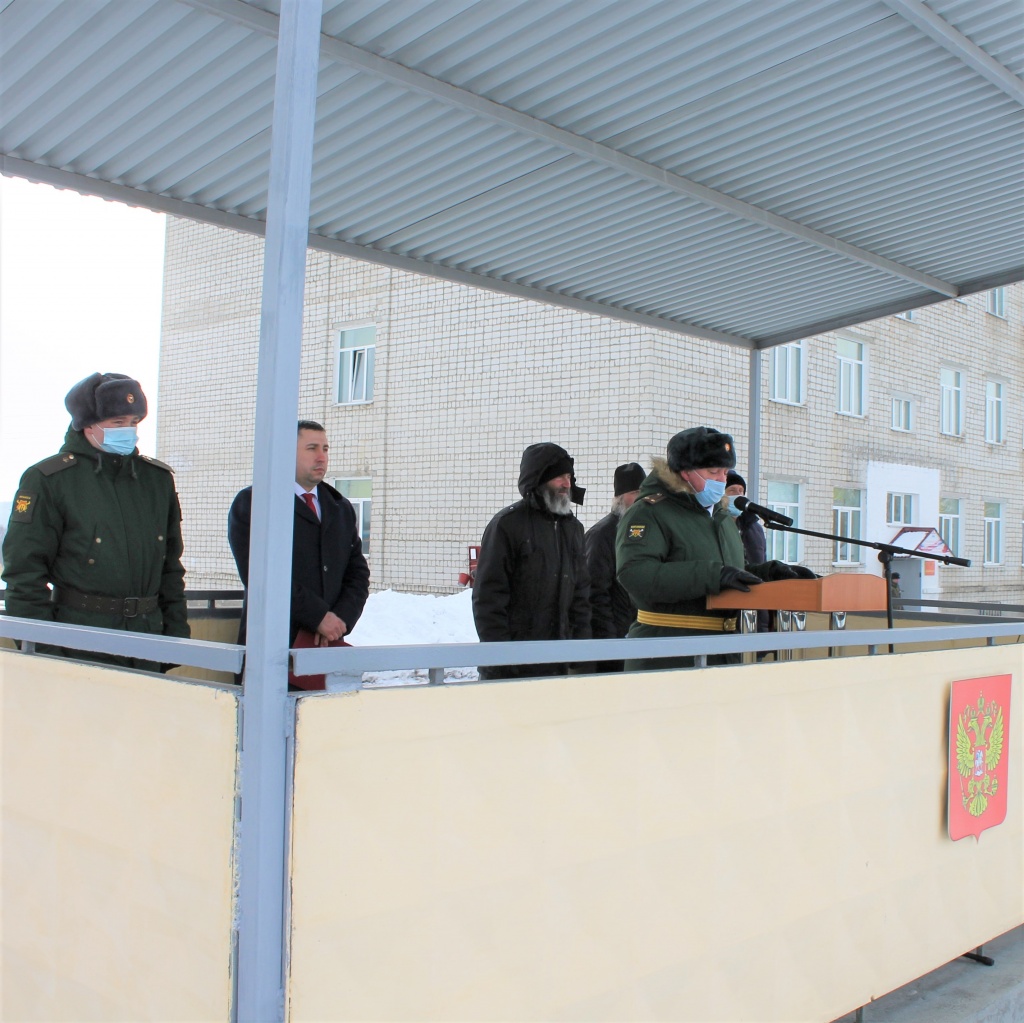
[(308, 498)]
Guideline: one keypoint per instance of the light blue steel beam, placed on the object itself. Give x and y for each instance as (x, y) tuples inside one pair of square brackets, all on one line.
[(265, 707), (164, 649)]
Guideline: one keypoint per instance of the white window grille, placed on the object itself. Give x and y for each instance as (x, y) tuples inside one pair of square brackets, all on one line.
[(787, 373), (850, 377), (902, 414), (997, 302), (356, 350), (899, 509), (846, 521), (359, 491), (784, 498), (951, 412), (994, 424), (993, 533), (949, 523)]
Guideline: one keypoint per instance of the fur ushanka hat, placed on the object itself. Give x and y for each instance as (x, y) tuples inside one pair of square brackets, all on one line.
[(104, 396), (701, 447)]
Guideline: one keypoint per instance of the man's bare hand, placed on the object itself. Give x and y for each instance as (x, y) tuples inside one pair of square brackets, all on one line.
[(330, 630)]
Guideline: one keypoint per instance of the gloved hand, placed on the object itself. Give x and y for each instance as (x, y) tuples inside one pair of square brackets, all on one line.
[(775, 571), (803, 573), (737, 579)]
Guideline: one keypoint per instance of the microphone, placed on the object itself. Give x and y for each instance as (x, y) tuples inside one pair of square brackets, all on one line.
[(765, 513)]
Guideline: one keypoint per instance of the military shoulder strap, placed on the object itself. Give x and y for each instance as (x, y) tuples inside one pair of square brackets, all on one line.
[(654, 498), (58, 462), (156, 462)]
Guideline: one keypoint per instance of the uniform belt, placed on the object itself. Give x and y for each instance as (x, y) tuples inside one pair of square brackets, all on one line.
[(127, 607), (707, 623)]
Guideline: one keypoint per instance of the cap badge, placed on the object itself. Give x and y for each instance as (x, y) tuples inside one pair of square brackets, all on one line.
[(130, 398)]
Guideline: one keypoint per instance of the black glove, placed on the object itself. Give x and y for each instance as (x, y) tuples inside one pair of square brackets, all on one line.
[(803, 573), (737, 579), (776, 571)]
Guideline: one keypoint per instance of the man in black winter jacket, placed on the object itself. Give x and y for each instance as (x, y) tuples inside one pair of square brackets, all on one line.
[(612, 609), (531, 579)]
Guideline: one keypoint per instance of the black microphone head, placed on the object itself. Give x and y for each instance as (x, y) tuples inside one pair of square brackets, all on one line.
[(741, 502)]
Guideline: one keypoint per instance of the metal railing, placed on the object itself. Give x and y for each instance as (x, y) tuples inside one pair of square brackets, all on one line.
[(348, 664)]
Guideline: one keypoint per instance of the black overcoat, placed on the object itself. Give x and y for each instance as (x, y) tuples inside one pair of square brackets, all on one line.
[(612, 610), (329, 572)]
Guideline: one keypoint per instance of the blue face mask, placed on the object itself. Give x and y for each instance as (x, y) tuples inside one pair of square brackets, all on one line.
[(119, 440), (713, 492), (730, 507)]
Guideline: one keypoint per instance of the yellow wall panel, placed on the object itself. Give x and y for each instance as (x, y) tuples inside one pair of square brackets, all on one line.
[(117, 815), (765, 842)]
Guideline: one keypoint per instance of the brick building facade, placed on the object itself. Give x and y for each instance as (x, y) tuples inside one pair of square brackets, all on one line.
[(430, 390)]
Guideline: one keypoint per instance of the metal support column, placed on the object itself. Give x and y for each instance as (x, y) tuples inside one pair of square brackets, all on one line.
[(266, 710), (754, 427)]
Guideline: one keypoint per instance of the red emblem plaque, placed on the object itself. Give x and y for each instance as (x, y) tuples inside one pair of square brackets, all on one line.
[(979, 754)]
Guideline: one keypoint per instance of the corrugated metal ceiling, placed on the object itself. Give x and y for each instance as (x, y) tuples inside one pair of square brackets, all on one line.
[(749, 171)]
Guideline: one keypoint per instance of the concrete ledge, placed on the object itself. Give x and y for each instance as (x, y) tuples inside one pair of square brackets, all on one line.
[(962, 991)]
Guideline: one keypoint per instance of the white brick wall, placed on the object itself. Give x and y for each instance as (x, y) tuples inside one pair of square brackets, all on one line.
[(466, 379)]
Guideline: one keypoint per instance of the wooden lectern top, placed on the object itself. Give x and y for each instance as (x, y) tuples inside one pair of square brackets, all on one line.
[(859, 591)]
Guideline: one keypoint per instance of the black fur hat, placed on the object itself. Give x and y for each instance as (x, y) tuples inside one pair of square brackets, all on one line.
[(732, 478), (701, 447), (628, 478), (104, 396)]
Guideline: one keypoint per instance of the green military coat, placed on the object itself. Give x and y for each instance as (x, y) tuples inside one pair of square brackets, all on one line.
[(670, 551), (105, 525)]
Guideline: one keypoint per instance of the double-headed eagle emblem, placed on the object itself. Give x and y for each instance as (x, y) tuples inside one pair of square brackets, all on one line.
[(979, 748)]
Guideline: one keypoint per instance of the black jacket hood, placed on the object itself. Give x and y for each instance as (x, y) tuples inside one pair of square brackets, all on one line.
[(538, 460)]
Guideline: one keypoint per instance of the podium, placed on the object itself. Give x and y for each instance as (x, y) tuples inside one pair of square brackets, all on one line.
[(791, 599)]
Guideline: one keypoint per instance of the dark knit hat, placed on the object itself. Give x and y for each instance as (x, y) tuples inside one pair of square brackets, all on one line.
[(559, 467), (701, 447), (732, 477), (104, 396), (628, 478)]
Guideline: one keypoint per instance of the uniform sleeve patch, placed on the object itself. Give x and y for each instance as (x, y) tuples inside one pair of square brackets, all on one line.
[(636, 532), (24, 506)]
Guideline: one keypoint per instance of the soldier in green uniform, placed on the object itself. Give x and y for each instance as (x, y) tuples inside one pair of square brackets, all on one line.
[(100, 524), (678, 544)]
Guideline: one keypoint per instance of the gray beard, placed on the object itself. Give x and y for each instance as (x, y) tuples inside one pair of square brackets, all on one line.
[(557, 504)]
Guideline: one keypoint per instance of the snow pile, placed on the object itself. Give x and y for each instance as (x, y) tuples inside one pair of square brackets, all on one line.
[(411, 619)]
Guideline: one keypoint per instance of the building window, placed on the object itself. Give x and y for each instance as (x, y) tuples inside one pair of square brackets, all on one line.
[(997, 302), (850, 377), (784, 498), (994, 429), (993, 533), (949, 523), (787, 379), (906, 315), (951, 413), (899, 509), (356, 349), (360, 492), (846, 521), (901, 414)]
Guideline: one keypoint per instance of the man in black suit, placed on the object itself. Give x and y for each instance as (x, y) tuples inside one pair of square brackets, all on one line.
[(330, 577)]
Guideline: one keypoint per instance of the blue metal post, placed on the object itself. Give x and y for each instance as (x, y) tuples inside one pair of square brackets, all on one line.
[(266, 710), (754, 427)]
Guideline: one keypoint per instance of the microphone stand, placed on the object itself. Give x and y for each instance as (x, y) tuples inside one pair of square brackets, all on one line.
[(886, 552)]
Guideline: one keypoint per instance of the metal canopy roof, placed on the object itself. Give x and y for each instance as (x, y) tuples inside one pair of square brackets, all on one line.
[(752, 171)]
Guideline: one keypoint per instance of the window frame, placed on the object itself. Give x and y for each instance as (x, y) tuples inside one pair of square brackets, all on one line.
[(955, 393), (794, 351), (852, 376), (909, 405), (993, 533), (996, 304), (848, 520), (995, 412), (906, 503), (367, 352), (363, 507), (951, 525), (780, 545)]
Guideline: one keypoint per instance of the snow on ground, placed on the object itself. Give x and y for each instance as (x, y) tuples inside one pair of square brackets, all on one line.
[(410, 619)]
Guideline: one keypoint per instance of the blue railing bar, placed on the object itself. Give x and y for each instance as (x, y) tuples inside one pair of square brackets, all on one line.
[(315, 661), (195, 653)]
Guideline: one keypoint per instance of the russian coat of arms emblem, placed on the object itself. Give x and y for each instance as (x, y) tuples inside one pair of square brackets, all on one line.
[(979, 714)]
